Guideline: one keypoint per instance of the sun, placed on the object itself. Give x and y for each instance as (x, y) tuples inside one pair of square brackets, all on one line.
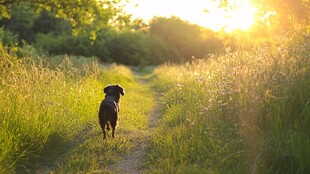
[(240, 15)]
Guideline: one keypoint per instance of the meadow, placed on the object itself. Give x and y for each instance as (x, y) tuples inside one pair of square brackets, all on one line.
[(214, 87), (246, 111)]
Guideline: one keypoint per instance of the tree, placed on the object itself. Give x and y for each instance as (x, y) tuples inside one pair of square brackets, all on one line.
[(90, 14), (285, 12), (21, 21), (130, 48), (184, 40)]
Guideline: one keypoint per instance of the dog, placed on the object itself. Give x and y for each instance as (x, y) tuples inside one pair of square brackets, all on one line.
[(109, 108)]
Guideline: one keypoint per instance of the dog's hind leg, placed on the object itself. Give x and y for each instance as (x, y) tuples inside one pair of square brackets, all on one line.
[(102, 125), (114, 122), (104, 134), (113, 125)]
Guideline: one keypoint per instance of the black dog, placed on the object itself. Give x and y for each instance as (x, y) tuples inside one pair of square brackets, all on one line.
[(109, 108)]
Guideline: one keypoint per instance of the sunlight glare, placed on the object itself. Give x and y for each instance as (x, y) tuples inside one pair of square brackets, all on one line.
[(240, 17)]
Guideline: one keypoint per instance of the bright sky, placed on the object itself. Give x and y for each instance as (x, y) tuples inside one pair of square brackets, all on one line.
[(241, 17)]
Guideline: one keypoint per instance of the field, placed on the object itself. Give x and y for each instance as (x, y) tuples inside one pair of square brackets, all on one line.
[(239, 112)]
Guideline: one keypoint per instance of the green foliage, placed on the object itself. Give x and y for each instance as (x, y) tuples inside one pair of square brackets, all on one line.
[(101, 45), (54, 34), (102, 29), (94, 32), (242, 112), (21, 21), (128, 48), (184, 40), (7, 39), (158, 50), (47, 22), (91, 14), (64, 44), (136, 48), (26, 23)]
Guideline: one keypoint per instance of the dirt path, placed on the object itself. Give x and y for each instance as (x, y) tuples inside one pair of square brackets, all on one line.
[(133, 163)]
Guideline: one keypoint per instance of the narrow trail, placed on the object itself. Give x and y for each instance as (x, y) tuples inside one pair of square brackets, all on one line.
[(133, 163), (87, 152)]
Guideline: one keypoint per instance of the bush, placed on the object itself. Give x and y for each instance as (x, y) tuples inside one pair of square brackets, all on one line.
[(64, 44), (101, 44), (127, 47), (7, 38), (184, 40), (130, 48)]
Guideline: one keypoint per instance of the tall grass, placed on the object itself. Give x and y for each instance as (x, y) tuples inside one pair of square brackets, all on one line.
[(44, 104), (242, 112)]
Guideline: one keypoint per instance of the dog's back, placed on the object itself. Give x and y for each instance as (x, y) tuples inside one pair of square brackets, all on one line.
[(109, 108), (108, 113)]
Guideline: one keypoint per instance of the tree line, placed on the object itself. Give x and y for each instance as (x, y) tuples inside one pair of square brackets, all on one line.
[(93, 28), (110, 35)]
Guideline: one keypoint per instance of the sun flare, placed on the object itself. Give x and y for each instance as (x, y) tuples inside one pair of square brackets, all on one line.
[(241, 18), (206, 13)]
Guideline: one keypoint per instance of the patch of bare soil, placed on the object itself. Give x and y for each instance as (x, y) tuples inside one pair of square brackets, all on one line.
[(133, 163)]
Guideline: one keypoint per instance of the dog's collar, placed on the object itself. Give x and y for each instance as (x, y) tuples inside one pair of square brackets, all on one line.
[(109, 97)]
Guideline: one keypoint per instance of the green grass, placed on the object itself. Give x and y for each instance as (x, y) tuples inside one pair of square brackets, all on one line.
[(96, 155), (242, 112), (49, 114)]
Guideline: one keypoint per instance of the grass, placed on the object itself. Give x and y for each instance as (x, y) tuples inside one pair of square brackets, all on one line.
[(49, 114), (242, 112), (96, 155)]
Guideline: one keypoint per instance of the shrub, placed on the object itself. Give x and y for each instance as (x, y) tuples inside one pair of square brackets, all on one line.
[(7, 39), (64, 44), (130, 48)]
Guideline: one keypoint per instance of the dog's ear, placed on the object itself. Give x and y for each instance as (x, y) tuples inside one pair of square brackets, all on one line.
[(105, 89), (121, 89)]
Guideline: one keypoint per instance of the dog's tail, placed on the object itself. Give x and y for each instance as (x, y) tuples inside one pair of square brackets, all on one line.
[(108, 128)]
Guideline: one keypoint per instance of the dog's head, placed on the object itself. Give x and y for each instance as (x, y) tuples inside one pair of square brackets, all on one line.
[(114, 90)]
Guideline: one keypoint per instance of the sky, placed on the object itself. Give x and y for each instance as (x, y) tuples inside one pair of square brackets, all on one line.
[(194, 11)]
